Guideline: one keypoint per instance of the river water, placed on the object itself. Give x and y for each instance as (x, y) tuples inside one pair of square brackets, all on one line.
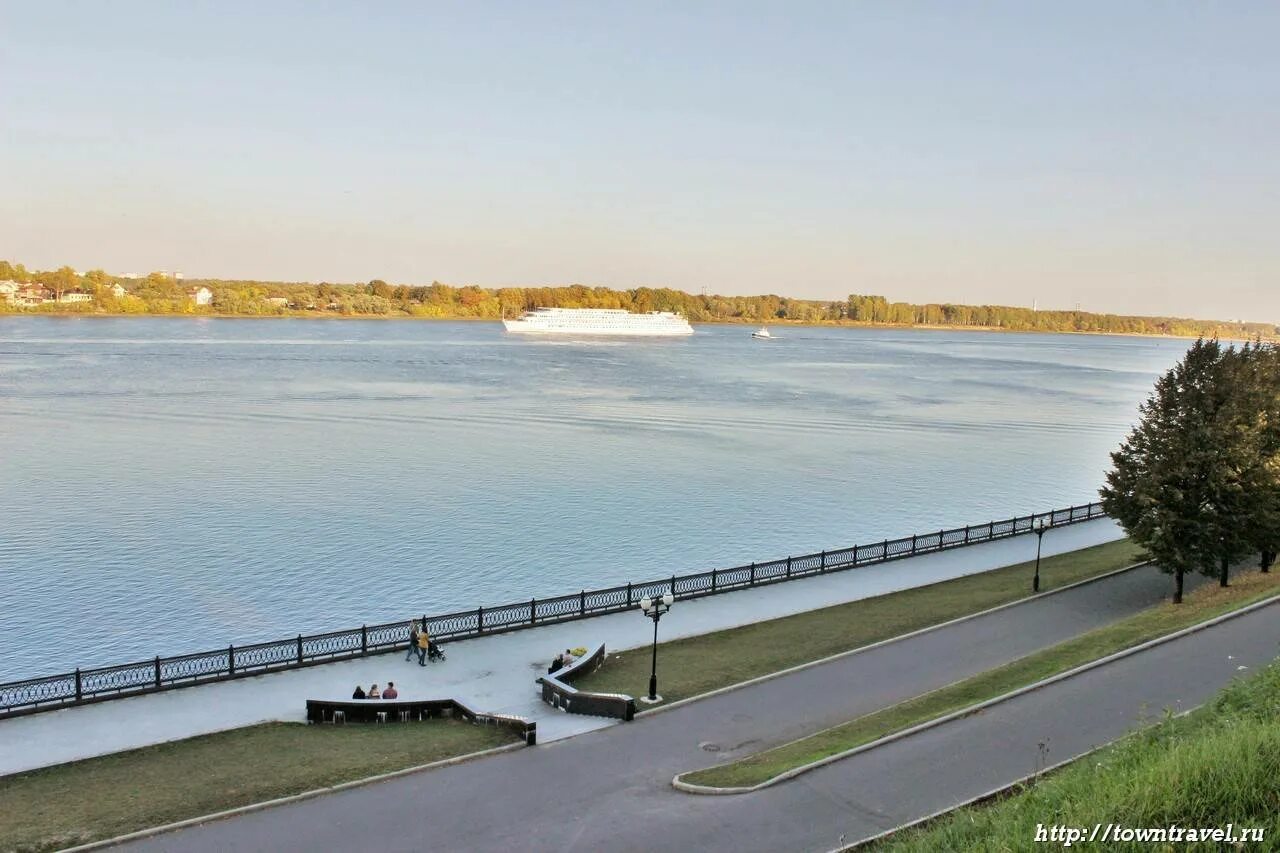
[(170, 485)]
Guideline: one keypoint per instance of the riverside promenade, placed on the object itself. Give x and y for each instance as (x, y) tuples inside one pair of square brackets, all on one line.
[(611, 789), (491, 674)]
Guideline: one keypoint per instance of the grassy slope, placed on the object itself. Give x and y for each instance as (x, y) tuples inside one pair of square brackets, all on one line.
[(1204, 603), (103, 797), (1217, 765), (696, 665)]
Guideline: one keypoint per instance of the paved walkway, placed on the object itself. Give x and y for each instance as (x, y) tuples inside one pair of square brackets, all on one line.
[(494, 674), (611, 789)]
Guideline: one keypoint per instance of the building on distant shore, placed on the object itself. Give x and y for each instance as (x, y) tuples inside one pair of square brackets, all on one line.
[(117, 291), (32, 294), (72, 296), (130, 275), (201, 295), (278, 301), (9, 291)]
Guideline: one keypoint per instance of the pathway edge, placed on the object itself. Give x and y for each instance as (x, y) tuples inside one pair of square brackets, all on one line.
[(995, 792), (292, 798), (690, 788)]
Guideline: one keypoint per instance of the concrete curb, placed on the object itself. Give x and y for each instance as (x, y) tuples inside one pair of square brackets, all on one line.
[(996, 792), (292, 798), (895, 639), (690, 788)]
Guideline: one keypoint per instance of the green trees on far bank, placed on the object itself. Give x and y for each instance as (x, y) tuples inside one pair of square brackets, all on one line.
[(159, 293), (1197, 482)]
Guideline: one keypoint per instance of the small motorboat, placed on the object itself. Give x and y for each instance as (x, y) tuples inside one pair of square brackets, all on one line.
[(762, 333)]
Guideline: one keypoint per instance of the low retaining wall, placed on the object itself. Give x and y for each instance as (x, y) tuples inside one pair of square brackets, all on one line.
[(367, 711), (558, 692)]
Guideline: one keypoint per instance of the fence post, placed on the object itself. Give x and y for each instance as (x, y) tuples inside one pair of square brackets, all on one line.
[(788, 567), (991, 529), (157, 670), (823, 563), (913, 543), (364, 639), (713, 580), (628, 595), (79, 692), (673, 584), (231, 660), (753, 574), (855, 555), (299, 649), (940, 532), (582, 603), (533, 611), (479, 620)]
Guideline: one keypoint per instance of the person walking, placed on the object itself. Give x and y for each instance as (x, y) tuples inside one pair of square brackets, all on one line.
[(424, 643), (413, 641)]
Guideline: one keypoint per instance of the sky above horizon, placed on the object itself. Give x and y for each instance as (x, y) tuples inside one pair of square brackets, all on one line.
[(1117, 156)]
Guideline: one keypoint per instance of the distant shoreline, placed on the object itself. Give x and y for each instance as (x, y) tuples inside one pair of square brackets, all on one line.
[(745, 322)]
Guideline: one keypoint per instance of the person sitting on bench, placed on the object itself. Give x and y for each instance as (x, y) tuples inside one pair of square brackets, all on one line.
[(359, 692)]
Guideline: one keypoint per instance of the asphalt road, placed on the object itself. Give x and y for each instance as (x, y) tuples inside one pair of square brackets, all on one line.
[(611, 789)]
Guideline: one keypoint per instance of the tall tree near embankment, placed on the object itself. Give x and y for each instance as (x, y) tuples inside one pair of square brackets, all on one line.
[(1189, 483), (1259, 373)]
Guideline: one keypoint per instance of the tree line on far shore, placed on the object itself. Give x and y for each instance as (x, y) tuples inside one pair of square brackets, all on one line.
[(159, 293), (1197, 482)]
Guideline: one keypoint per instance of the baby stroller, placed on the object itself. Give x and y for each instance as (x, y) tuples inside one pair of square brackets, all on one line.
[(434, 652)]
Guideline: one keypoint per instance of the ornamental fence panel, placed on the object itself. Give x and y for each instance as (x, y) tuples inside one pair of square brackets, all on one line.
[(163, 673)]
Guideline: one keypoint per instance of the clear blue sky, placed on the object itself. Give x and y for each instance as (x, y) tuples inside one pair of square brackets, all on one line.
[(1119, 155)]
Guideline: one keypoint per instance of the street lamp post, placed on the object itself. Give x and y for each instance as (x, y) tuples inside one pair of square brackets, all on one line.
[(1040, 529), (654, 608)]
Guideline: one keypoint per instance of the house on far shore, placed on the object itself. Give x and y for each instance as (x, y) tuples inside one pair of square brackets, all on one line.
[(200, 295), (9, 291), (117, 291), (278, 301), (32, 294), (75, 296)]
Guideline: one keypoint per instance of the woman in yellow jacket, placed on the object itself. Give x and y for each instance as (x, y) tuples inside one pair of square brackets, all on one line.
[(424, 643)]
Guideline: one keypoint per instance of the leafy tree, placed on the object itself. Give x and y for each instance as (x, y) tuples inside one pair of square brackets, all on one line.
[(1258, 377), (1190, 483)]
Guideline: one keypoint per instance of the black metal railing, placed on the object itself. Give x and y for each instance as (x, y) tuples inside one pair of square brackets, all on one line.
[(165, 673)]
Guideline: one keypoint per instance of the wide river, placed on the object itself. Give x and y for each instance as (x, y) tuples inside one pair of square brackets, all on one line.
[(170, 485)]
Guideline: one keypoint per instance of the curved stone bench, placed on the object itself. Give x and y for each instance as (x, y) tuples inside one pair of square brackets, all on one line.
[(414, 710), (559, 692)]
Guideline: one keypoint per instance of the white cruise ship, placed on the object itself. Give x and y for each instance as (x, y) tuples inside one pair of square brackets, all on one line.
[(598, 321)]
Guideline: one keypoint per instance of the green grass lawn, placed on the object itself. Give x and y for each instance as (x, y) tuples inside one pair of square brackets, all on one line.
[(695, 665), (1204, 603), (1218, 765), (112, 795)]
